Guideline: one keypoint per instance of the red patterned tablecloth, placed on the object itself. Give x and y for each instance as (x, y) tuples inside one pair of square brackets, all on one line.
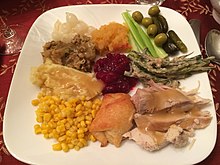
[(25, 12)]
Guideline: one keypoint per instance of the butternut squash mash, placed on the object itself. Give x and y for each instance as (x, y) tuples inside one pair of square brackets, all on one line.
[(111, 38)]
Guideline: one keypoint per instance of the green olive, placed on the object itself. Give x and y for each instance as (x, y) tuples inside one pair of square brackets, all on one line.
[(137, 16), (160, 39), (154, 11), (152, 30), (146, 21)]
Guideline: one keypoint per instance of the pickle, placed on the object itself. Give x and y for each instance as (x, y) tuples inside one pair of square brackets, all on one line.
[(170, 47), (163, 22), (177, 41), (158, 24)]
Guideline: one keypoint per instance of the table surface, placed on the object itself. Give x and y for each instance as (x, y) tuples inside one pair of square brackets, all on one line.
[(25, 12)]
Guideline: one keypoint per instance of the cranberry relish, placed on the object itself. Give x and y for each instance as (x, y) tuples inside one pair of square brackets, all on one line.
[(111, 71)]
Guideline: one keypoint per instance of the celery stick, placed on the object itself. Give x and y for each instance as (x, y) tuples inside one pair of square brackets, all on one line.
[(159, 50), (144, 37), (133, 43), (134, 31), (141, 37)]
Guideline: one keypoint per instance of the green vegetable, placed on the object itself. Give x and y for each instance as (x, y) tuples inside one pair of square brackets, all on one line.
[(169, 47), (177, 41), (152, 30), (146, 21), (154, 10), (138, 39), (160, 51), (160, 39), (137, 16), (166, 70), (163, 22), (142, 39), (158, 24), (133, 43)]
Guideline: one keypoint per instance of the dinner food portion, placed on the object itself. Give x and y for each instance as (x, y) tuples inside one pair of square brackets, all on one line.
[(66, 31), (111, 38), (67, 122), (166, 116), (78, 54), (65, 82), (113, 119), (117, 82)]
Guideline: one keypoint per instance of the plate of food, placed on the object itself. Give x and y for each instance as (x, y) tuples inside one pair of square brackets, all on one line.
[(85, 90)]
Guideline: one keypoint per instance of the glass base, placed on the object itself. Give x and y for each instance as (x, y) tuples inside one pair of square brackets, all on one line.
[(11, 40), (150, 2)]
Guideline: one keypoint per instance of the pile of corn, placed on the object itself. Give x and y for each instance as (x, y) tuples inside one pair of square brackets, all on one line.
[(66, 121)]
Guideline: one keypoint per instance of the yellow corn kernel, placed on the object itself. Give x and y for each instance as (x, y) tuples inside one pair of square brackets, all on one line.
[(75, 141), (69, 133), (53, 107), (79, 107), (55, 134), (62, 138), (44, 126), (83, 141), (46, 136), (88, 104), (69, 120), (67, 104), (85, 129), (77, 148), (37, 129), (47, 117), (81, 135), (80, 144), (80, 131), (93, 113), (50, 135), (39, 119), (52, 124), (68, 140), (88, 122), (35, 102), (60, 128), (70, 145), (92, 138), (78, 113), (73, 136), (57, 147), (79, 125), (44, 131), (73, 128), (89, 118), (82, 123), (67, 126), (97, 101), (61, 106), (65, 147)]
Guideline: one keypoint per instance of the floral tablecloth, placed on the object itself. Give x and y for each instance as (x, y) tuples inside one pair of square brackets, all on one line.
[(25, 12)]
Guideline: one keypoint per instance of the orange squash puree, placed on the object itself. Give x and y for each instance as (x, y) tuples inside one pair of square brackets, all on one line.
[(111, 38)]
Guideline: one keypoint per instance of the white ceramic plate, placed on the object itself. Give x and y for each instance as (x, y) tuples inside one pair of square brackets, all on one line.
[(19, 117)]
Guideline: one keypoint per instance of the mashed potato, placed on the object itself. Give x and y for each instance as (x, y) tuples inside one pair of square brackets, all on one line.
[(65, 82)]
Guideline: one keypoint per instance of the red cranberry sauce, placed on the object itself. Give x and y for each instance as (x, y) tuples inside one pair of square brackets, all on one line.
[(111, 71)]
